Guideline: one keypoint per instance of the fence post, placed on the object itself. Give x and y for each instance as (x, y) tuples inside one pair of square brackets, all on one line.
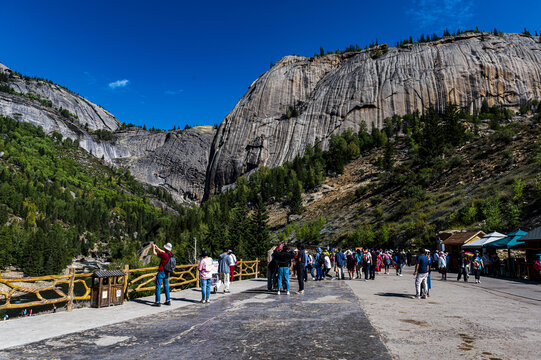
[(256, 268), (197, 277), (126, 278), (240, 269), (69, 307)]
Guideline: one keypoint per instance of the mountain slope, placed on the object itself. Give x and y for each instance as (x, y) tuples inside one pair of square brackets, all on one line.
[(302, 100)]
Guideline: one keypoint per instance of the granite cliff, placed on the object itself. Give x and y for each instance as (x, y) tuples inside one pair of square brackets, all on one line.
[(175, 161), (303, 100), (299, 101)]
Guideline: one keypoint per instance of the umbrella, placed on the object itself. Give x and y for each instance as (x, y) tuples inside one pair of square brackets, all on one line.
[(511, 240)]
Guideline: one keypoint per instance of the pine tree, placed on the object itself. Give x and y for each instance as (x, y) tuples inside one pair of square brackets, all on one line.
[(295, 201), (260, 230)]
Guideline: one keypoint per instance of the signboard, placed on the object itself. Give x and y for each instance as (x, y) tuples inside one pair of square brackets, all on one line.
[(104, 294), (118, 293)]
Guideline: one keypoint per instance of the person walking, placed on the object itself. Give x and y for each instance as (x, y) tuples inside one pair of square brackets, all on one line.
[(387, 260), (271, 269), (478, 266), (340, 259), (350, 264), (283, 261), (224, 268), (162, 276), (421, 275), (320, 262), (328, 266), (400, 262), (429, 277), (373, 263), (442, 266), (205, 274), (463, 262), (359, 263), (311, 266), (302, 262), (367, 259), (234, 264)]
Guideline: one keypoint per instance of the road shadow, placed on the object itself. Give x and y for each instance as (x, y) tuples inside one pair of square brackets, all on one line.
[(256, 291), (405, 296), (142, 301), (186, 300)]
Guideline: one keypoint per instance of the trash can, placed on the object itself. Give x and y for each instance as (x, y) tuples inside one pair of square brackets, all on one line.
[(107, 288)]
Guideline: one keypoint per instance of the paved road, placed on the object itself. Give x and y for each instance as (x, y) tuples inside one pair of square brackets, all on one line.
[(325, 323)]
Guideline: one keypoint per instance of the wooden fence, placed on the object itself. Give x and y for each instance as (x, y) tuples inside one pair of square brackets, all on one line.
[(61, 288)]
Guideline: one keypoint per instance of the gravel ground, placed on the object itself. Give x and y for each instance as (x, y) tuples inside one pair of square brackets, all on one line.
[(497, 319)]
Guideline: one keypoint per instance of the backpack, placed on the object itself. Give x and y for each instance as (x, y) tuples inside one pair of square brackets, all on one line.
[(171, 264), (365, 258), (320, 260)]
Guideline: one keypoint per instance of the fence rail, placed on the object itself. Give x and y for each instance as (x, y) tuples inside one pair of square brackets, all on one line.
[(136, 281)]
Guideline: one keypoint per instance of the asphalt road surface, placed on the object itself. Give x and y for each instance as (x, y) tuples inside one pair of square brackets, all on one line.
[(324, 323)]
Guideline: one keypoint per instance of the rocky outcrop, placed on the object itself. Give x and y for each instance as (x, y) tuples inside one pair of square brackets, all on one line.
[(176, 161), (302, 100)]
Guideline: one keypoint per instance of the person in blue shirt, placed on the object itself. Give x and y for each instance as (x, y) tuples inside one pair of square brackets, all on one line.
[(319, 264), (340, 259), (477, 265), (421, 275), (359, 265)]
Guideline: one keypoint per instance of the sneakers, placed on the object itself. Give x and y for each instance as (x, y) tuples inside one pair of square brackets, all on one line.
[(423, 297), (156, 304), (287, 293), (202, 301), (417, 297), (207, 301), (278, 292), (300, 292), (168, 303)]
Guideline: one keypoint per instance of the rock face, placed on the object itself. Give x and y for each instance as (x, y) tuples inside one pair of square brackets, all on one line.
[(176, 161), (329, 94)]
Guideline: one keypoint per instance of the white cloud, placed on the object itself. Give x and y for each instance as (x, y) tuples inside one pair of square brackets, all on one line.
[(173, 92), (437, 15), (119, 83)]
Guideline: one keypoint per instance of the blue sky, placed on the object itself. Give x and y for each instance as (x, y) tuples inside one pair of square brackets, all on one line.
[(166, 63)]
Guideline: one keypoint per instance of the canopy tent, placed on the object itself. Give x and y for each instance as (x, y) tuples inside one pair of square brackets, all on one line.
[(487, 239), (511, 240)]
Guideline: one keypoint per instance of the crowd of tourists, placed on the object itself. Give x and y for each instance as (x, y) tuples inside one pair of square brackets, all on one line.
[(362, 264), (316, 264)]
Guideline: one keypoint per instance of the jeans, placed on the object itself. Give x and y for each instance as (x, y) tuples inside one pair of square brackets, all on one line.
[(301, 274), (366, 268), (312, 272), (225, 279), (205, 289), (373, 271), (271, 275), (477, 273), (283, 272), (162, 277), (319, 270), (340, 273), (399, 268), (420, 284), (463, 270)]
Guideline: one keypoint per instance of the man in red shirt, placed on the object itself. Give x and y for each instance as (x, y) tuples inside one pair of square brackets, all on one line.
[(162, 275)]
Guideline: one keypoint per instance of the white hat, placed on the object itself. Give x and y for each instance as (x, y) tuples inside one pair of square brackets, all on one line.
[(168, 246)]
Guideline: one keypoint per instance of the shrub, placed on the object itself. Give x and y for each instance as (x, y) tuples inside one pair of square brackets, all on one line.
[(503, 135)]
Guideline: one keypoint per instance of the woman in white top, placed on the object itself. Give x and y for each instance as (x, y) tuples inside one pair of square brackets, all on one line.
[(442, 266)]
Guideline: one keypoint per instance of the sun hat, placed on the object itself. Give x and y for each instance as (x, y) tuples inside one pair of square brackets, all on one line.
[(168, 246)]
